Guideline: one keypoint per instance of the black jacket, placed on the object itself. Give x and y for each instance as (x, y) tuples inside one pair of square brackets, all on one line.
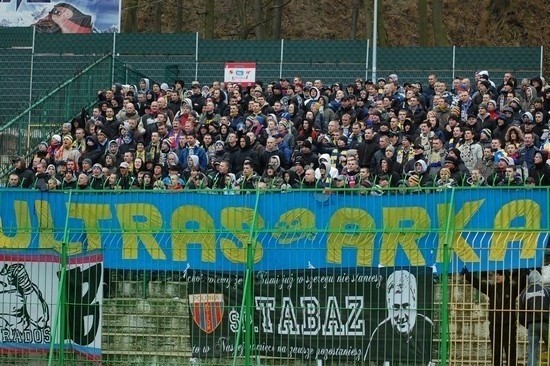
[(534, 301)]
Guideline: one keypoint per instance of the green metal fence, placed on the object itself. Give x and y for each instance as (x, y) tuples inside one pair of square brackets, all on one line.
[(148, 313), (35, 64), (22, 132)]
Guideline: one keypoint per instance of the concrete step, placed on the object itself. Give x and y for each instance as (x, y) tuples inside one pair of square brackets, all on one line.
[(136, 289), (154, 343)]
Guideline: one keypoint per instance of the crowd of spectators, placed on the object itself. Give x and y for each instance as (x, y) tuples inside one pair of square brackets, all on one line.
[(369, 135)]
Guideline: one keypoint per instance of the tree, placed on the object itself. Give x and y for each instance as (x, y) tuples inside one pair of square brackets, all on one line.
[(368, 17), (422, 23), (277, 19), (354, 18), (438, 26), (157, 16), (179, 16), (209, 13), (259, 19), (130, 25), (382, 36)]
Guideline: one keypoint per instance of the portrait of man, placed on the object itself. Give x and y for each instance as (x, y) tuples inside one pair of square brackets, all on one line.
[(405, 335)]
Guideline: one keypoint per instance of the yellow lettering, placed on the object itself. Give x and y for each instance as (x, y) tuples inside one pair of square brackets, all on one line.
[(48, 231), (204, 234), (504, 233), (21, 227), (351, 228), (294, 225), (138, 222), (239, 220), (458, 244), (395, 234), (90, 214)]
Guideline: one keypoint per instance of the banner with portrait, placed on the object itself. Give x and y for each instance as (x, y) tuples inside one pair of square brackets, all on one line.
[(337, 314), (30, 292), (71, 16)]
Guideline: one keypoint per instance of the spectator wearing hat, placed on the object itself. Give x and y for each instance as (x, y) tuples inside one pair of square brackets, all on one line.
[(67, 151), (97, 178), (270, 179), (499, 174), (197, 99), (24, 174), (345, 108), (125, 179), (502, 125), (484, 117), (86, 166), (418, 155), (452, 163), (307, 154), (53, 147)]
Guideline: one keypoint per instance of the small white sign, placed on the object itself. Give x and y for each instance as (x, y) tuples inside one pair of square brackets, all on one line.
[(243, 73)]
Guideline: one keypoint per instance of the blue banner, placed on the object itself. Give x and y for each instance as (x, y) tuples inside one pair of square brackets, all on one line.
[(487, 229)]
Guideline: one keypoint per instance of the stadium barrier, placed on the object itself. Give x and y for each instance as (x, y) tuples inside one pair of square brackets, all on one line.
[(326, 277)]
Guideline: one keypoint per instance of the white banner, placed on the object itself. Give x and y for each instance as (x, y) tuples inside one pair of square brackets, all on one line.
[(29, 302), (243, 73), (71, 16)]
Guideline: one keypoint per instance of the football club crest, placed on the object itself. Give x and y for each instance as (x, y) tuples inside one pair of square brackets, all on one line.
[(207, 310)]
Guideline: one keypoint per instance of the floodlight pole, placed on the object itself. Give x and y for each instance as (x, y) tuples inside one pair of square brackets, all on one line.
[(374, 39)]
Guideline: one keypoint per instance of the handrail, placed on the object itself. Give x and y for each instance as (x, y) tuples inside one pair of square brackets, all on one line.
[(51, 93)]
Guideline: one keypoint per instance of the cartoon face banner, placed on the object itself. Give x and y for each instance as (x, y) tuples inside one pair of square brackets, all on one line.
[(353, 314), (29, 288), (72, 16)]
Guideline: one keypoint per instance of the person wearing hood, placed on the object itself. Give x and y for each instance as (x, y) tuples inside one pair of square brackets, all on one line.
[(331, 170), (534, 310), (126, 140), (314, 95), (144, 86), (540, 171), (386, 169), (172, 159), (92, 152), (322, 113), (503, 124), (245, 152)]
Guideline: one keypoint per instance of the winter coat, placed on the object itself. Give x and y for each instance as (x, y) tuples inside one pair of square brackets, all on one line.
[(534, 301)]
